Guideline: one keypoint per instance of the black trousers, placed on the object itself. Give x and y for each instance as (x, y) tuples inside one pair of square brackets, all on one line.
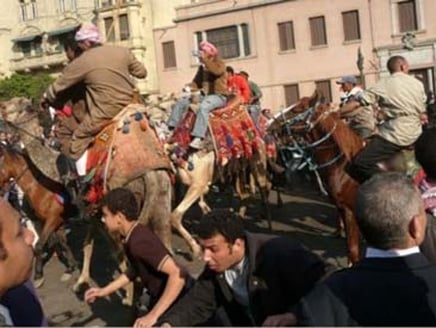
[(364, 165)]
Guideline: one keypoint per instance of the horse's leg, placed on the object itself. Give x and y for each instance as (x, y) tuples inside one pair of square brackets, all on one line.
[(88, 246), (340, 224), (64, 254), (352, 233), (193, 193), (49, 227)]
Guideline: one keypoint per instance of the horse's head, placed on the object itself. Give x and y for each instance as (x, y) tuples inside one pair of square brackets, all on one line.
[(5, 169)]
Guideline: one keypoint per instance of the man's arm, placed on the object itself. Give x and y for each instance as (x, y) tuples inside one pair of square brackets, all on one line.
[(173, 287), (136, 68), (196, 307), (92, 293), (72, 74), (214, 65), (349, 107), (257, 93)]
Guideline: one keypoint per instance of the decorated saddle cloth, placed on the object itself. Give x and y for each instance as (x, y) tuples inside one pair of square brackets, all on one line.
[(232, 133), (124, 150)]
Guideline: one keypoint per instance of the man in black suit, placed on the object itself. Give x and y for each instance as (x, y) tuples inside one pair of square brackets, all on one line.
[(394, 285), (248, 276)]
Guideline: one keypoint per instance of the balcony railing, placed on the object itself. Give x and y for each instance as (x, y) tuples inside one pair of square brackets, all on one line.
[(37, 61)]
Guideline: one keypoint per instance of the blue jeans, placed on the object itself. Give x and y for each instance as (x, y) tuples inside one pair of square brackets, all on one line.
[(254, 111), (209, 103), (178, 111)]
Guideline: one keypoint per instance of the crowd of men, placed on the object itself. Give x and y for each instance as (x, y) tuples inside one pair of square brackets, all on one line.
[(251, 279)]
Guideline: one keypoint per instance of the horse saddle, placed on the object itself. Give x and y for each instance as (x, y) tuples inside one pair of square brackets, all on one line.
[(45, 159)]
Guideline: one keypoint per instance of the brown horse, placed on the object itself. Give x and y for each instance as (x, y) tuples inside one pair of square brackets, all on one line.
[(44, 200), (331, 143)]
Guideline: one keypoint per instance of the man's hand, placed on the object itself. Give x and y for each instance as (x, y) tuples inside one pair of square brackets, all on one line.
[(146, 321), (92, 294), (423, 118), (280, 320)]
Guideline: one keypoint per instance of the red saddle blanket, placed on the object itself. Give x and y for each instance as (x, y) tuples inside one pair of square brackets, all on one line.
[(120, 154)]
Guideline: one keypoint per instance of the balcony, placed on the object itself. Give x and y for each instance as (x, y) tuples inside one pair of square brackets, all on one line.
[(22, 63), (107, 5)]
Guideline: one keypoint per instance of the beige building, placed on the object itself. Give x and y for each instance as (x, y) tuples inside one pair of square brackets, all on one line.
[(32, 32), (289, 47)]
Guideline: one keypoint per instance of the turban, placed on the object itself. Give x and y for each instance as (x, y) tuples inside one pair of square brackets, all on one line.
[(208, 48), (88, 32)]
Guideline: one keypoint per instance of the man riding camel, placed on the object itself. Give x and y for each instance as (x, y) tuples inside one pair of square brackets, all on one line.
[(212, 79), (401, 99), (105, 71)]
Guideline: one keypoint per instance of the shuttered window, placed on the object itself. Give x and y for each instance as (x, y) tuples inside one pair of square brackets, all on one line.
[(407, 16), (109, 29), (351, 25), (124, 27), (169, 54), (325, 88), (317, 31), (286, 36), (292, 94)]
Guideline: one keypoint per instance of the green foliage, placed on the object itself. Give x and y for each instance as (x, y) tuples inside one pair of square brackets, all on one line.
[(24, 85)]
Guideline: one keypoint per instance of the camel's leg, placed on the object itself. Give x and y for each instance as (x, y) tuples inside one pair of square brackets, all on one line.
[(128, 299), (264, 188), (242, 193), (88, 246), (49, 227), (193, 193), (157, 206)]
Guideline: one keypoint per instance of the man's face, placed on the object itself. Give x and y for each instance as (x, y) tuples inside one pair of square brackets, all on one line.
[(219, 254), (346, 87), (110, 220), (84, 45), (17, 240), (70, 53)]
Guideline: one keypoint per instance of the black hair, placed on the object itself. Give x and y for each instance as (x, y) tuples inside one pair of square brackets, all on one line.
[(394, 63), (244, 73), (71, 43), (425, 152), (121, 200), (221, 221), (229, 69)]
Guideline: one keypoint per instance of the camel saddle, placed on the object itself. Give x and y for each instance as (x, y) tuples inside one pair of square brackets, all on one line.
[(123, 151)]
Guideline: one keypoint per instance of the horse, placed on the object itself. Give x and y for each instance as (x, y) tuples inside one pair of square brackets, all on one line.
[(203, 167), (331, 144), (43, 196), (152, 187)]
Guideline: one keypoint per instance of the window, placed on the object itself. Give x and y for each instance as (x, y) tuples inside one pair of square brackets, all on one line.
[(232, 41), (67, 5), (34, 9), (23, 10), (350, 20), (407, 19), (124, 27), (286, 36), (61, 5), (325, 88), (317, 31), (292, 94), (169, 54), (109, 29)]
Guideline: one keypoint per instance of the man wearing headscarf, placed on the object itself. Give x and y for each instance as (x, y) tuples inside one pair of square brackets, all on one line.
[(212, 79), (105, 70)]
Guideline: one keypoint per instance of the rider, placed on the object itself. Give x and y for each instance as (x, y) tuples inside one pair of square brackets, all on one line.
[(255, 95), (211, 78), (105, 70), (360, 119), (238, 85), (401, 99)]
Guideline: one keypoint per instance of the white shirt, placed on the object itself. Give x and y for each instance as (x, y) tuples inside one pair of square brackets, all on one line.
[(237, 277), (381, 253)]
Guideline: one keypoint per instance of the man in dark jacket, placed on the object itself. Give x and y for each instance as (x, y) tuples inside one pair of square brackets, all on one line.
[(395, 285), (250, 276)]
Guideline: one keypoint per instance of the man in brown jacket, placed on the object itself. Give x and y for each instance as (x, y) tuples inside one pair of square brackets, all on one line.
[(105, 70), (212, 79)]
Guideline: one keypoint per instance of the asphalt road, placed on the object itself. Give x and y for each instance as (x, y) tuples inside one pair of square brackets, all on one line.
[(305, 216)]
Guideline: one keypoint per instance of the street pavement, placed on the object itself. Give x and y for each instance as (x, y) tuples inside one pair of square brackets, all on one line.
[(305, 216)]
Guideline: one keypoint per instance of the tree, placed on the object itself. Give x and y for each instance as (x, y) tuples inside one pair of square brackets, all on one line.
[(25, 85)]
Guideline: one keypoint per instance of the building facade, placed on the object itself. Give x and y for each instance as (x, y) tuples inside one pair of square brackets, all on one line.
[(289, 47), (32, 32)]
